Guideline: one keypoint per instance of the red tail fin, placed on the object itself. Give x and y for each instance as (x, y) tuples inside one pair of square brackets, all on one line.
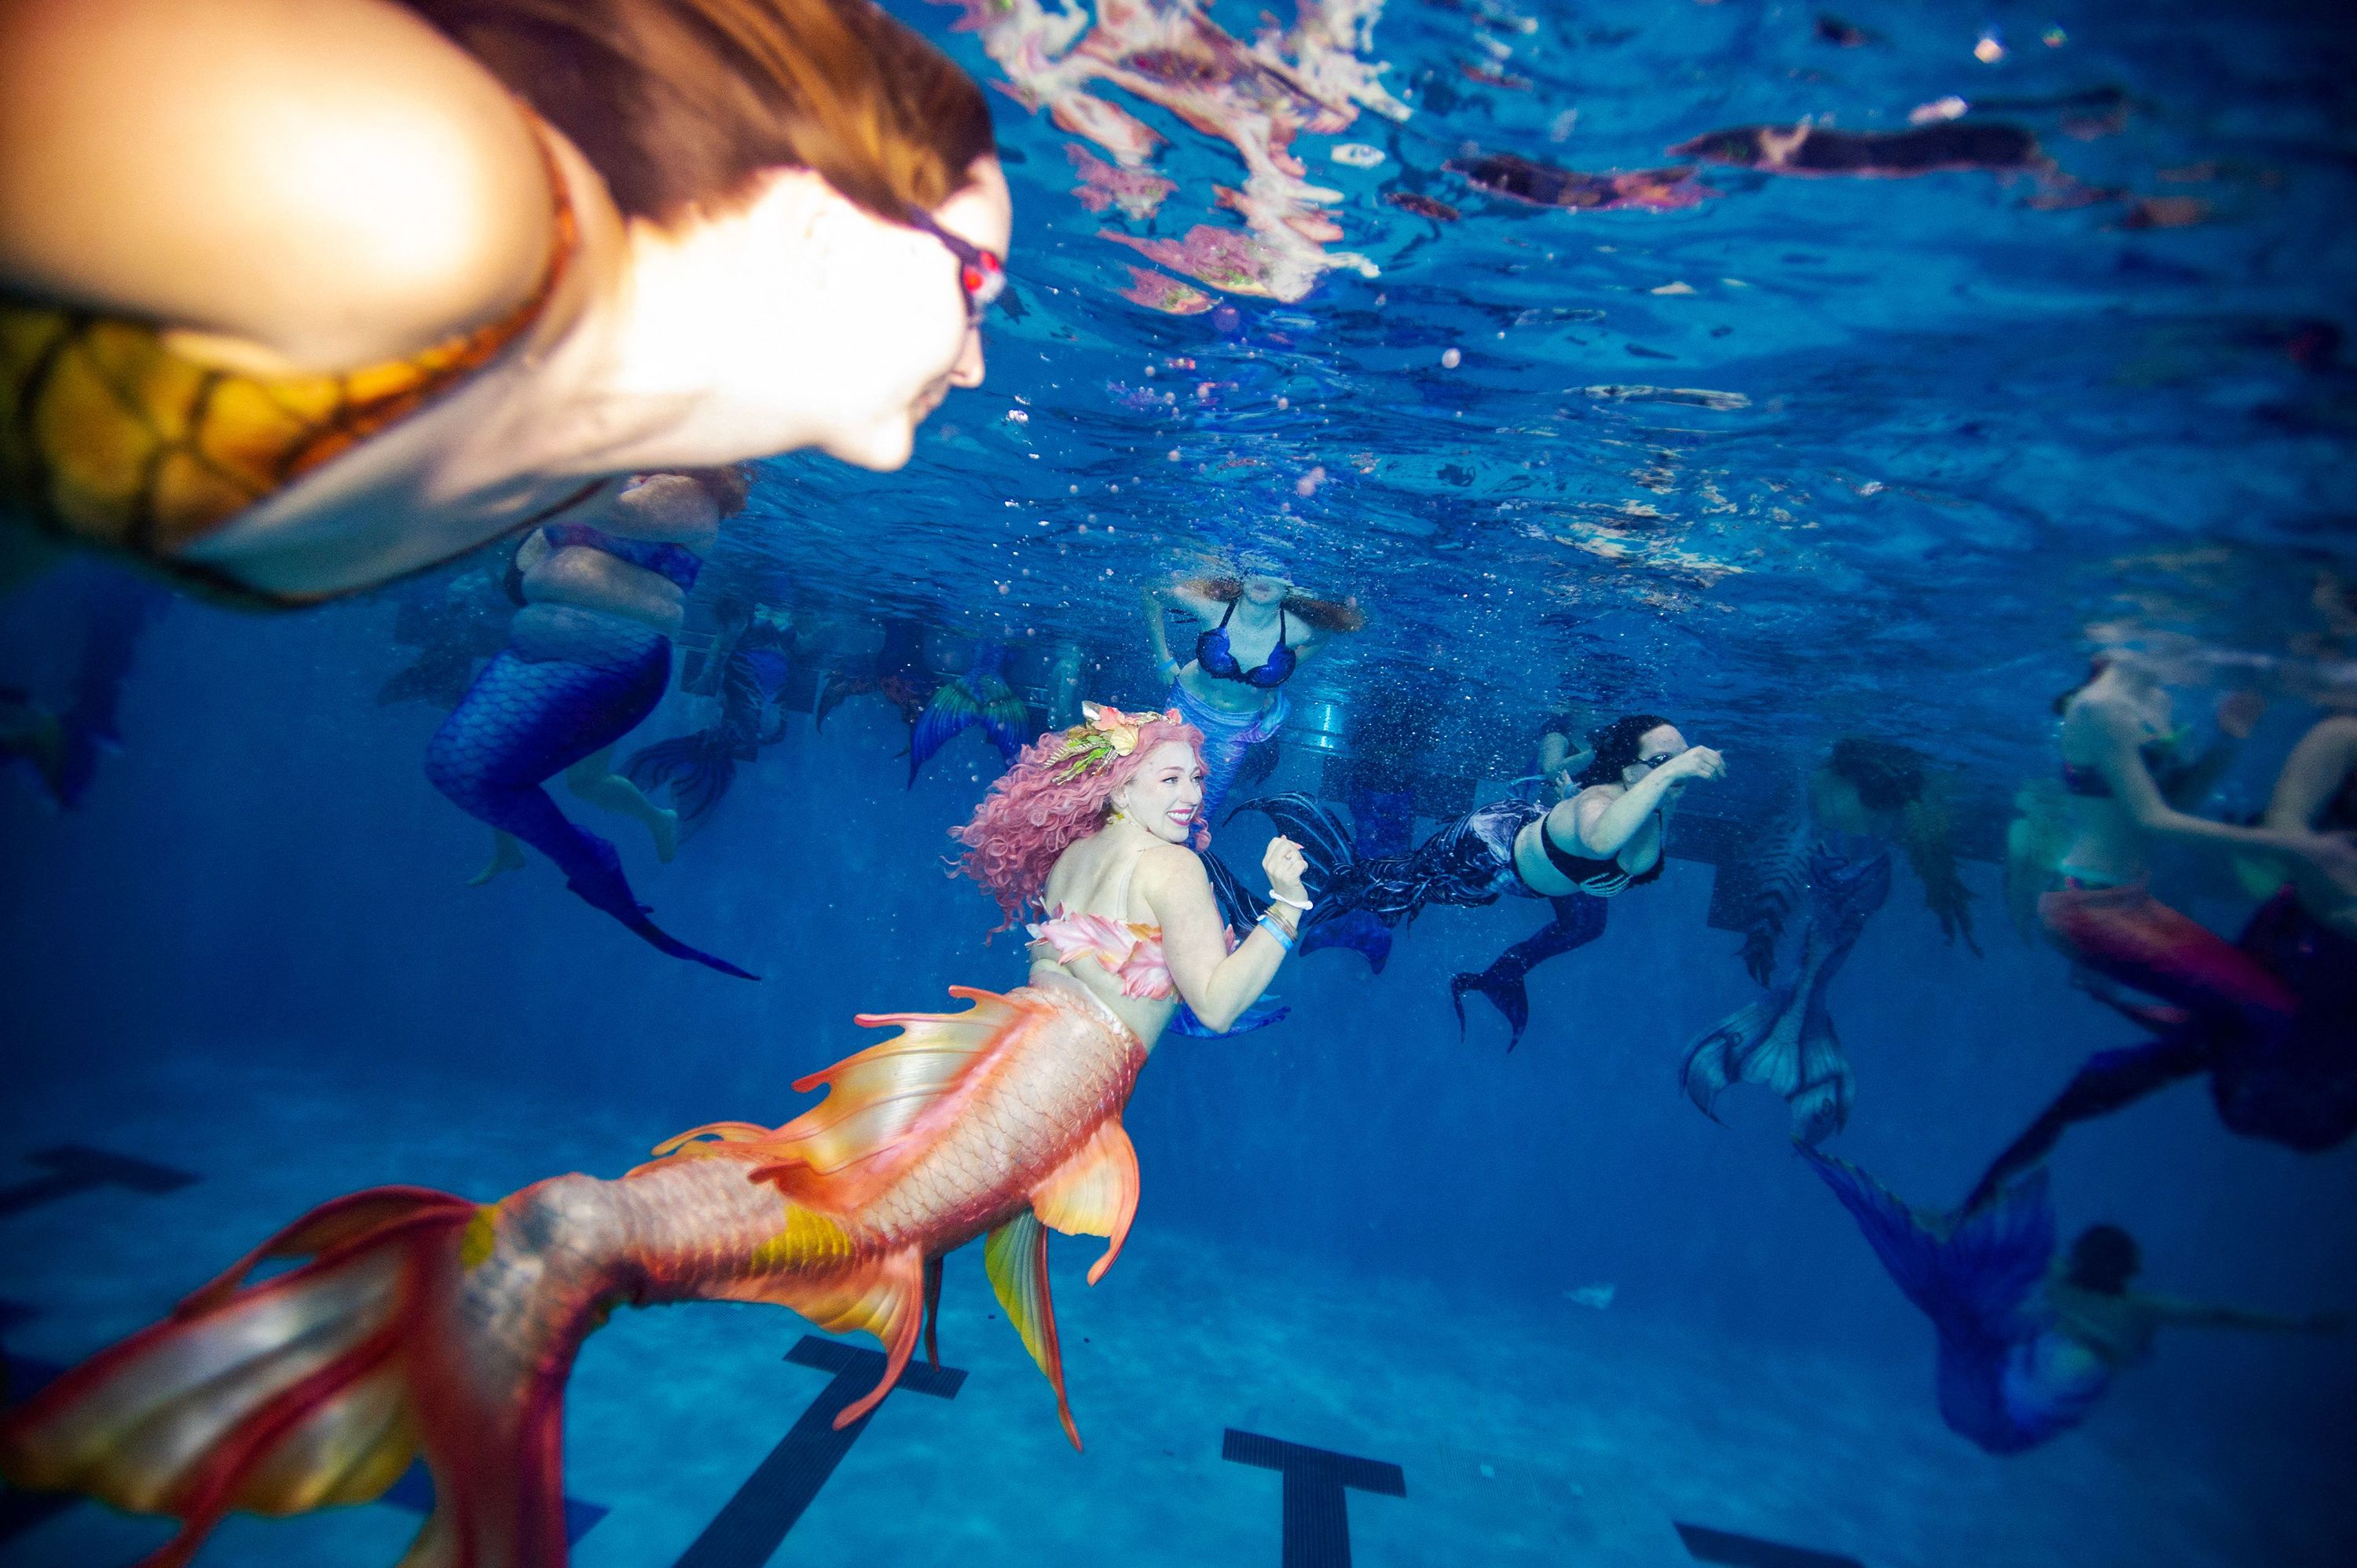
[(279, 1397)]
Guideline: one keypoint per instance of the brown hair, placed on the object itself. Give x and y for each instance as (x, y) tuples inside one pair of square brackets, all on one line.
[(729, 488), (680, 105), (1324, 614)]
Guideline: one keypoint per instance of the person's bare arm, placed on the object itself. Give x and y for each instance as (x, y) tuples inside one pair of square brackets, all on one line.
[(2111, 737), (1152, 602), (2178, 1314), (1217, 983), (298, 184), (1603, 826), (2314, 772)]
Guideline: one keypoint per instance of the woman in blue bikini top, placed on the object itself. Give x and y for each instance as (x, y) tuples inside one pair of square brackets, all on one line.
[(1256, 614)]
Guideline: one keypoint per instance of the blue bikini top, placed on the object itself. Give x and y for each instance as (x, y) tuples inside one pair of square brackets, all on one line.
[(1218, 660)]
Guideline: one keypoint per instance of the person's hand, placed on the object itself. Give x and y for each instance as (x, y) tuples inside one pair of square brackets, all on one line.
[(2238, 713), (1695, 762), (2334, 857), (1283, 864)]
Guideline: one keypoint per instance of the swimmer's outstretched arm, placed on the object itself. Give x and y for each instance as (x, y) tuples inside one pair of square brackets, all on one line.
[(2313, 774), (1603, 826), (2112, 737), (1217, 983), (2178, 1314)]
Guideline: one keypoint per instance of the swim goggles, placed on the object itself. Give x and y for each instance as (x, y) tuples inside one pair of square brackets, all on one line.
[(982, 274)]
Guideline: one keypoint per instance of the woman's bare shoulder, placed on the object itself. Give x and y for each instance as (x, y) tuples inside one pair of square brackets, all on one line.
[(320, 183)]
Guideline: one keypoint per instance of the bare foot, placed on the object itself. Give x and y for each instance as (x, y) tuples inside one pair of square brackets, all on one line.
[(507, 855), (664, 823)]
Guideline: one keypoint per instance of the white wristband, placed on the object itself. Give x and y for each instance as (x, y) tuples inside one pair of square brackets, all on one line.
[(1300, 903)]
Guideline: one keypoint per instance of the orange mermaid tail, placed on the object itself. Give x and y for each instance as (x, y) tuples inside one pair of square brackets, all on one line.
[(426, 1324)]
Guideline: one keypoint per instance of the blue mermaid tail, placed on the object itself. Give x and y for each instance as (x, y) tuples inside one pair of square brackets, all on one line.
[(2007, 1378), (1786, 1041), (569, 683), (698, 767), (980, 697)]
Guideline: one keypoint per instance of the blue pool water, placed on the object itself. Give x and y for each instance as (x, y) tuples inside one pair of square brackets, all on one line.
[(1796, 459)]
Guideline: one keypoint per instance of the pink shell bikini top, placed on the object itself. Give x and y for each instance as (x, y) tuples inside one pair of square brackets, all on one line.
[(1130, 952)]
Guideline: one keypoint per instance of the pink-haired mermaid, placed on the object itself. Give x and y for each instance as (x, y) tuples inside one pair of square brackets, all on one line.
[(427, 1322)]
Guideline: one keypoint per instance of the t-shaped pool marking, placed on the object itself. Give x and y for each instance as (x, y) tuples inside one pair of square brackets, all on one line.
[(75, 1168), (754, 1523), (1724, 1546), (1317, 1514)]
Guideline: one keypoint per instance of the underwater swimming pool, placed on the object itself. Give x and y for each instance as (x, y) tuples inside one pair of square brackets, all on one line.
[(1823, 390)]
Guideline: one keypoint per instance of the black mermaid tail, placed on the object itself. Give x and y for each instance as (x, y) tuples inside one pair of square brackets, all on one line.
[(1578, 920), (570, 685), (2293, 1083), (1338, 920), (1786, 1040), (697, 769)]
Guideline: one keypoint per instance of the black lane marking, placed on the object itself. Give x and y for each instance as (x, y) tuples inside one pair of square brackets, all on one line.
[(21, 1511), (76, 1167), (754, 1523), (1317, 1514), (415, 1492), (1724, 1546)]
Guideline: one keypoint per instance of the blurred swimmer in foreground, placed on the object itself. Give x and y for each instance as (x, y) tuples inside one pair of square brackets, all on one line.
[(62, 746), (2271, 1019), (2027, 1343), (599, 239), (425, 1321), (587, 659), (1256, 631), (1591, 848), (1868, 795)]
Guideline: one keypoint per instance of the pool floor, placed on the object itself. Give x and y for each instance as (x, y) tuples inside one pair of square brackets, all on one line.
[(1231, 1394)]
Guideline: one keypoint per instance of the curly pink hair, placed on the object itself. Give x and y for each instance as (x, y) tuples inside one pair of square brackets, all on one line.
[(1033, 814)]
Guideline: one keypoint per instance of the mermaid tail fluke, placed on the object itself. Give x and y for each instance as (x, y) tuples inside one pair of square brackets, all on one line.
[(980, 697), (696, 769), (2006, 1380), (1786, 1041), (292, 1394), (425, 1323)]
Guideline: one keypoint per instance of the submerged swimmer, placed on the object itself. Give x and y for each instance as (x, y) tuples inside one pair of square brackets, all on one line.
[(1809, 149), (423, 1321), (2271, 1019), (62, 746), (747, 675), (1257, 629), (1578, 856), (611, 238), (2027, 1343), (1868, 795), (587, 659)]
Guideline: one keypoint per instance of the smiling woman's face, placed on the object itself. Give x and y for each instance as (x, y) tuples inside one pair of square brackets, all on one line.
[(1165, 794)]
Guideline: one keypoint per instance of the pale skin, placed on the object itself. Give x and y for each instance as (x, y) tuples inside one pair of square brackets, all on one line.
[(2317, 770), (1143, 846), (323, 185), (2105, 726), (1617, 822), (2120, 1328), (1252, 636)]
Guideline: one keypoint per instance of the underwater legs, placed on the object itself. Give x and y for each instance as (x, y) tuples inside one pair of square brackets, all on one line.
[(1578, 920)]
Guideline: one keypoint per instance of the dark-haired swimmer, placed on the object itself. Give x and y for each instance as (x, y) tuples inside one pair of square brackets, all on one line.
[(1257, 628), (597, 240), (587, 659), (1586, 850), (2027, 1344)]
